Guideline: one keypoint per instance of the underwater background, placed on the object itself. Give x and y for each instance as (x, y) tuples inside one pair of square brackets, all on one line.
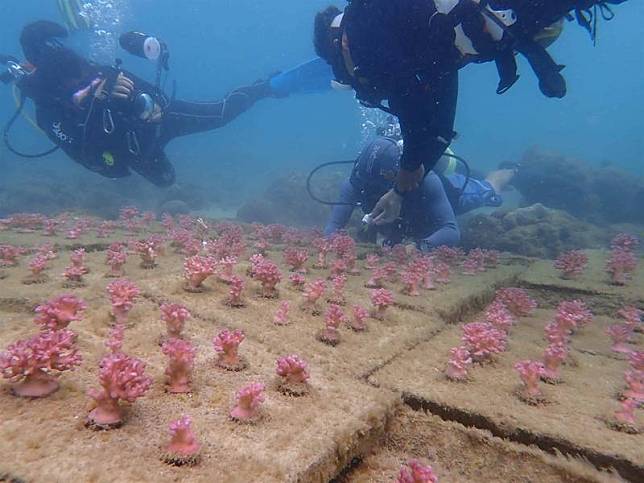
[(219, 45)]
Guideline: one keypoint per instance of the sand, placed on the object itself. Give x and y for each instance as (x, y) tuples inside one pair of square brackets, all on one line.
[(362, 390)]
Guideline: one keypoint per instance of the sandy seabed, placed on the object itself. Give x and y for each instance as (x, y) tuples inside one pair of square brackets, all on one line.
[(377, 399)]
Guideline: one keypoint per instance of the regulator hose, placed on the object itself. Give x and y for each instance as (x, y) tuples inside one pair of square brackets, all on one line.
[(465, 164), (7, 128)]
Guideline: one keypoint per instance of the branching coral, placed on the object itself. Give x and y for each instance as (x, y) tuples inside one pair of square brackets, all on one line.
[(30, 363), (483, 340), (530, 373), (381, 299), (333, 320), (572, 315), (294, 375), (410, 280), (313, 291), (499, 316), (122, 294), (269, 275), (183, 448), (337, 290), (181, 356), (635, 384), (147, 250), (621, 265), (295, 258), (235, 292), (458, 363), (416, 472), (174, 316), (226, 345), (517, 301), (37, 266), (553, 357), (360, 315), (121, 377), (196, 269), (59, 312), (115, 258), (571, 264), (378, 274), (227, 265), (247, 403), (620, 334), (114, 342), (281, 315)]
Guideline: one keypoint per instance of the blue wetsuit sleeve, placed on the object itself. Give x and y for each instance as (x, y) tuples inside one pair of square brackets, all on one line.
[(478, 193), (307, 78), (341, 214), (437, 213)]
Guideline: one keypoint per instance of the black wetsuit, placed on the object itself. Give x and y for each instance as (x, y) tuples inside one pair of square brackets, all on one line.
[(108, 137), (404, 53)]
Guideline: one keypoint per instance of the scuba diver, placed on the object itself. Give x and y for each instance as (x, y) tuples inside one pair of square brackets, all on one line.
[(408, 53), (105, 118), (428, 213)]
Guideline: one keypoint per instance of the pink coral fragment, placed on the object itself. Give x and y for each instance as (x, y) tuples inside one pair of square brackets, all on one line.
[(416, 472), (30, 363), (247, 402), (183, 448), (57, 313), (121, 377)]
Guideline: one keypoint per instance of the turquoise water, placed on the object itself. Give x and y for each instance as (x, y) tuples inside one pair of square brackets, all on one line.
[(219, 45)]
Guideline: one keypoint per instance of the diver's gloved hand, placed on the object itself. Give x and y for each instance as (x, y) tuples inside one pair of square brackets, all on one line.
[(552, 84), (387, 210)]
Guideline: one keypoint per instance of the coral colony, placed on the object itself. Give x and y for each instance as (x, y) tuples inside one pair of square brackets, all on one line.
[(571, 264), (293, 373), (247, 403), (30, 363), (243, 263), (416, 472), (183, 447), (174, 316), (226, 345)]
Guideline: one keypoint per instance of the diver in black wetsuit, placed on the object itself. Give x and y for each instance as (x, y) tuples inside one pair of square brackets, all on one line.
[(109, 120), (403, 57)]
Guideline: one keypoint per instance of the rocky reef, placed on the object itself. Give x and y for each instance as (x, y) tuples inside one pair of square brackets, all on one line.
[(535, 231), (595, 194)]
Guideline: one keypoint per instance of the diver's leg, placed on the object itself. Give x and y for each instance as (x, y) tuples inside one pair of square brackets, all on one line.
[(158, 170), (182, 117)]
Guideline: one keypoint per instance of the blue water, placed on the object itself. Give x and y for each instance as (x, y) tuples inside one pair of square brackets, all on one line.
[(218, 45)]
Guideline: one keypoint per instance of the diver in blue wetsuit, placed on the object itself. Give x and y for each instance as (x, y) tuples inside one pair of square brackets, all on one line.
[(427, 214)]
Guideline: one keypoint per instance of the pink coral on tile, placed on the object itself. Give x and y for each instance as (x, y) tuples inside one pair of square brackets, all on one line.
[(122, 294), (121, 377), (281, 315), (458, 364), (381, 299), (530, 373), (226, 345), (183, 447), (517, 301), (247, 402), (58, 312), (571, 264), (175, 316), (416, 472), (483, 340), (30, 363), (197, 269), (181, 357)]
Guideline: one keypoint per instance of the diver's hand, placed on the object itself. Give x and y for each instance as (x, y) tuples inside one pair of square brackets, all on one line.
[(123, 87), (409, 180), (387, 209)]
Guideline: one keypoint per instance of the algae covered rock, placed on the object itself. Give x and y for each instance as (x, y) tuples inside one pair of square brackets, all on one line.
[(535, 231)]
